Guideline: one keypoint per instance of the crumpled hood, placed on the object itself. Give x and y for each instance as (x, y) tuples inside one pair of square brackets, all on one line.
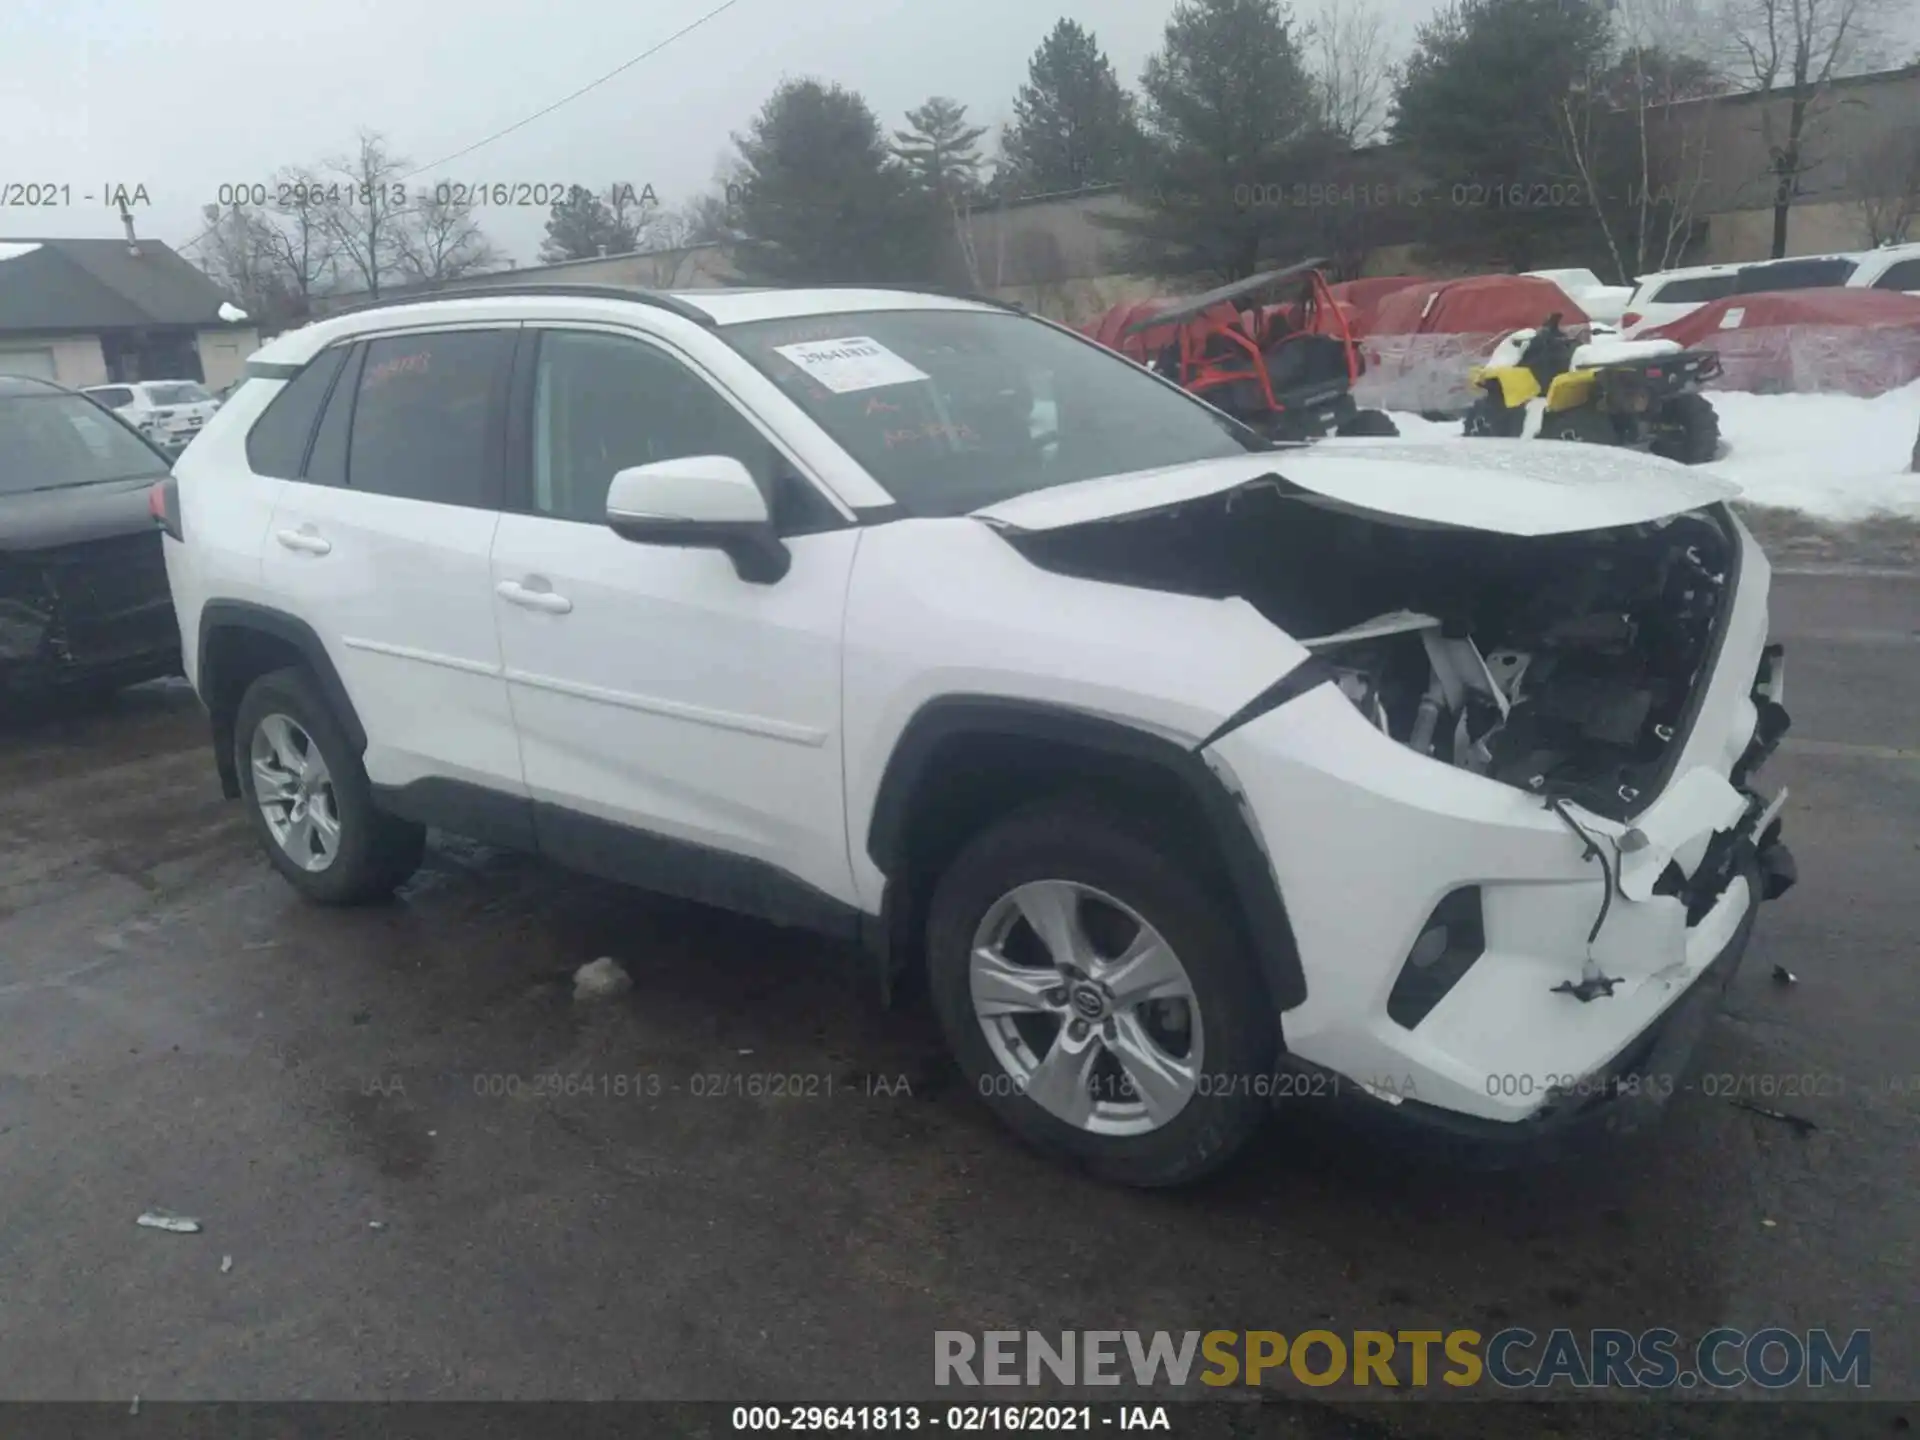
[(1508, 487)]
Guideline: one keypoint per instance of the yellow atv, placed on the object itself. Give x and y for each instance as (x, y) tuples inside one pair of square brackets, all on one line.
[(1640, 393)]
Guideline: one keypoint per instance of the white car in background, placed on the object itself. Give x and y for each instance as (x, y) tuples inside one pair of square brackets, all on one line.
[(1666, 295), (1602, 302), (167, 412)]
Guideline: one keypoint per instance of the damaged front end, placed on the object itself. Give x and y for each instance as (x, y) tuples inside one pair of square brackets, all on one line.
[(1509, 797), (97, 611)]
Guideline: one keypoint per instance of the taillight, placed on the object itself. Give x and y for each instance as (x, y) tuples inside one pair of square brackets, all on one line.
[(163, 504), (1631, 319)]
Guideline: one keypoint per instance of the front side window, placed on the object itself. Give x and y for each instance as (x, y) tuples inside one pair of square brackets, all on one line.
[(52, 442), (951, 410), (113, 398), (423, 417), (604, 403)]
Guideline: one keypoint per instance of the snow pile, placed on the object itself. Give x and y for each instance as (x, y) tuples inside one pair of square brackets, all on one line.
[(1836, 457), (1839, 457)]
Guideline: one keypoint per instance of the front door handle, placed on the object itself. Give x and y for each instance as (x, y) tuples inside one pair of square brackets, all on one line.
[(304, 541), (514, 593)]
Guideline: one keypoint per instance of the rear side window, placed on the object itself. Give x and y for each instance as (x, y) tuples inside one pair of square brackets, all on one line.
[(1794, 275), (1903, 276), (426, 417), (277, 444), (1696, 291)]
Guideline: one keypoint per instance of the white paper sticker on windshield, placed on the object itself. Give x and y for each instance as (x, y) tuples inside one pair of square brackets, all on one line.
[(1731, 320), (853, 362)]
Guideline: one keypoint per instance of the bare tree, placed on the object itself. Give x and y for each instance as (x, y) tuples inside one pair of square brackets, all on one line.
[(1885, 175), (304, 251), (1353, 68), (365, 215), (1638, 135), (437, 238), (1797, 49), (236, 253)]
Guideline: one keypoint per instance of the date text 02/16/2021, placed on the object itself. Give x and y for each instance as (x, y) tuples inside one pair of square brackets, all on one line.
[(958, 1419)]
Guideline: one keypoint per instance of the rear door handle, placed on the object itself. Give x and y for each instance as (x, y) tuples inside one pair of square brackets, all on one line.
[(304, 541), (514, 593)]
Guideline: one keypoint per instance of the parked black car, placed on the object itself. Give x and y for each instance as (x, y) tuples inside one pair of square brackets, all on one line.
[(84, 603)]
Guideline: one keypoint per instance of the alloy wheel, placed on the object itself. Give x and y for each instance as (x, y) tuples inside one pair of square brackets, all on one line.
[(294, 789), (1086, 1007)]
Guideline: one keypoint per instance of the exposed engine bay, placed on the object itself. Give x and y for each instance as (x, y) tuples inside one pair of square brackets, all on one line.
[(1565, 665)]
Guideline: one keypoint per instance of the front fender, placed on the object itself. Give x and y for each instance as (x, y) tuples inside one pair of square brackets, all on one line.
[(1516, 383)]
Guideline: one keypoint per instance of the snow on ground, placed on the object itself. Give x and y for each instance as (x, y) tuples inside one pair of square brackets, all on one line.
[(1835, 457)]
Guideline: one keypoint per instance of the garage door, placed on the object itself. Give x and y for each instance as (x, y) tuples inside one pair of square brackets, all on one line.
[(37, 363)]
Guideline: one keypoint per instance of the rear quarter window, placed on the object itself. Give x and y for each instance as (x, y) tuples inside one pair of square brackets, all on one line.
[(1902, 276), (277, 443)]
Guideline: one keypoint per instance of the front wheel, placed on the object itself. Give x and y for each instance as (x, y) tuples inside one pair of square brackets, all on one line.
[(1096, 997), (1486, 417)]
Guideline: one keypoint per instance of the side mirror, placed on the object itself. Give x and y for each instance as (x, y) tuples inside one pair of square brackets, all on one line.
[(707, 502)]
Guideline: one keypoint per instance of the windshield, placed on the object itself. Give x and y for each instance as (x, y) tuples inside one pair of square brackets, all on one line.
[(53, 441), (951, 410), (182, 393)]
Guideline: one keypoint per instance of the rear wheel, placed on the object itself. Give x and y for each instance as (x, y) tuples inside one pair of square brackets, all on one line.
[(1096, 998), (310, 800), (1367, 422), (1690, 431)]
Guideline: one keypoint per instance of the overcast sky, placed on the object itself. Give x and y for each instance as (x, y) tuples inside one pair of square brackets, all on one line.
[(182, 96)]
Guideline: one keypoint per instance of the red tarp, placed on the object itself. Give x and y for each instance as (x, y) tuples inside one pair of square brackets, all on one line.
[(1851, 341), (1360, 298), (1422, 339), (1477, 305)]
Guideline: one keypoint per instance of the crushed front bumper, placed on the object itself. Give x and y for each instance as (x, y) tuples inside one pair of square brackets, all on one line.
[(1577, 961)]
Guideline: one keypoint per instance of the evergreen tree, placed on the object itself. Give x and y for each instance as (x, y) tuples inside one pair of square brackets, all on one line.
[(1073, 122), (1480, 110), (1230, 116), (577, 227), (820, 196)]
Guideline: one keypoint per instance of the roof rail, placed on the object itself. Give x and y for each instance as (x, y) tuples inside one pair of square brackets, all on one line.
[(658, 299), (910, 288)]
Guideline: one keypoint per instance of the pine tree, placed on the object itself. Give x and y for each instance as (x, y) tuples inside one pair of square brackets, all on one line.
[(822, 198), (1073, 122), (941, 151), (1230, 112), (577, 228)]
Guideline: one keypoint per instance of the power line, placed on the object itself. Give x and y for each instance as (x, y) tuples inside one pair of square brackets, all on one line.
[(590, 85), (620, 69)]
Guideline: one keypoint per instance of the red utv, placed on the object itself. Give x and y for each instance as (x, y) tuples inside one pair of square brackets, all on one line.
[(1285, 367)]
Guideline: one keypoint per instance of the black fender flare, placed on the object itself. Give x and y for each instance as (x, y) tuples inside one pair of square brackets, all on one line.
[(219, 617), (1248, 870)]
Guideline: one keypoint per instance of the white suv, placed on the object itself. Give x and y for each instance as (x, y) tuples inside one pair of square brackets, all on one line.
[(1189, 770), (168, 412)]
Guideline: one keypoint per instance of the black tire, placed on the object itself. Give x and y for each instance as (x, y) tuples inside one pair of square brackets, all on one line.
[(1484, 417), (1372, 423), (1086, 842), (1694, 434), (377, 851)]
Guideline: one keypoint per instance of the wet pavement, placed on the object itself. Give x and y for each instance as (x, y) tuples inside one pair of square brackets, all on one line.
[(438, 1177)]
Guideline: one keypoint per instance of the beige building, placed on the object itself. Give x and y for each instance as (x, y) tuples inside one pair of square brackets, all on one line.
[(91, 312)]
